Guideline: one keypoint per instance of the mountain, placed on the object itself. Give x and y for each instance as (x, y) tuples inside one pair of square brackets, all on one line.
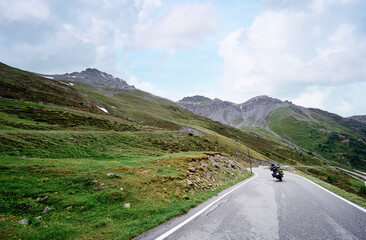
[(254, 112), (218, 110), (338, 139), (93, 77)]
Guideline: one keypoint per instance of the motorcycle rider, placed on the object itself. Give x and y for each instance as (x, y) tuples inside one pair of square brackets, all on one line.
[(274, 169)]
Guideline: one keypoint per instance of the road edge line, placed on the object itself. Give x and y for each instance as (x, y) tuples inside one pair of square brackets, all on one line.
[(334, 194), (172, 230)]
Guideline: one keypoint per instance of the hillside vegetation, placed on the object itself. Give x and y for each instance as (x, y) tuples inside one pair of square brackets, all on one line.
[(334, 138), (94, 162)]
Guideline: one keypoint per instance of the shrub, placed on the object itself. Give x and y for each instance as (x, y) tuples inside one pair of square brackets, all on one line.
[(331, 178), (363, 189), (110, 198)]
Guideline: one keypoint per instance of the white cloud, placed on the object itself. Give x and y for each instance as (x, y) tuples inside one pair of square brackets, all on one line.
[(182, 27), (23, 9), (313, 97), (290, 48), (103, 28), (320, 6), (143, 85), (148, 8), (343, 107), (76, 35)]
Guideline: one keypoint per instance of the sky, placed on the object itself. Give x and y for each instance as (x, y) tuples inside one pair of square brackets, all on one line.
[(310, 52)]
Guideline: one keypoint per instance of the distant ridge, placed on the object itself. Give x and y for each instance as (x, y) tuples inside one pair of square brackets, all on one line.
[(253, 112), (359, 118), (94, 77)]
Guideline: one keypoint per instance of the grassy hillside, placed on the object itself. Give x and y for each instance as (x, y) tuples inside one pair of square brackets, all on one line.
[(330, 136), (21, 85), (57, 146)]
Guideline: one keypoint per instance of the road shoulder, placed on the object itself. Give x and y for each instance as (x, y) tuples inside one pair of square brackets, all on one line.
[(349, 197)]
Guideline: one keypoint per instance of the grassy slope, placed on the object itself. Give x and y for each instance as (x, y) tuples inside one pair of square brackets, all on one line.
[(55, 141), (324, 135), (21, 85)]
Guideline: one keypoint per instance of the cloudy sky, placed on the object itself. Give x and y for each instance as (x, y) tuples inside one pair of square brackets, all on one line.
[(311, 52)]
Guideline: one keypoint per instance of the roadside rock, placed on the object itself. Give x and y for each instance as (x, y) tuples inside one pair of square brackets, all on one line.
[(24, 222), (39, 199), (112, 175), (126, 205), (46, 209), (75, 140)]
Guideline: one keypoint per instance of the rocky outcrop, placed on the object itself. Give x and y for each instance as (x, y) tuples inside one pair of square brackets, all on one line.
[(212, 170), (191, 130)]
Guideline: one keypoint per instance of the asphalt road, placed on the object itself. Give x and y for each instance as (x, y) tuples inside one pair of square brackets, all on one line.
[(264, 208)]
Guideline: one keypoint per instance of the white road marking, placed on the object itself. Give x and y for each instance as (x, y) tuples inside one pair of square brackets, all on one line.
[(343, 199), (166, 234)]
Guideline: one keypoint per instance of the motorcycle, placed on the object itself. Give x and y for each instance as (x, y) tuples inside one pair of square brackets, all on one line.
[(277, 172)]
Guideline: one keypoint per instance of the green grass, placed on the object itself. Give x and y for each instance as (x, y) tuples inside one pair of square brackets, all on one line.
[(30, 116), (97, 210)]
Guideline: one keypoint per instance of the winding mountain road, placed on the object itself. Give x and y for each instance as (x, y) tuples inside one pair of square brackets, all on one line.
[(264, 208)]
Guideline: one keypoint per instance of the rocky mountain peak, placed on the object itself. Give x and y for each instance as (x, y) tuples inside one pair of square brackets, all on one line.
[(93, 76), (196, 99), (263, 99), (91, 70), (253, 112), (261, 102)]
